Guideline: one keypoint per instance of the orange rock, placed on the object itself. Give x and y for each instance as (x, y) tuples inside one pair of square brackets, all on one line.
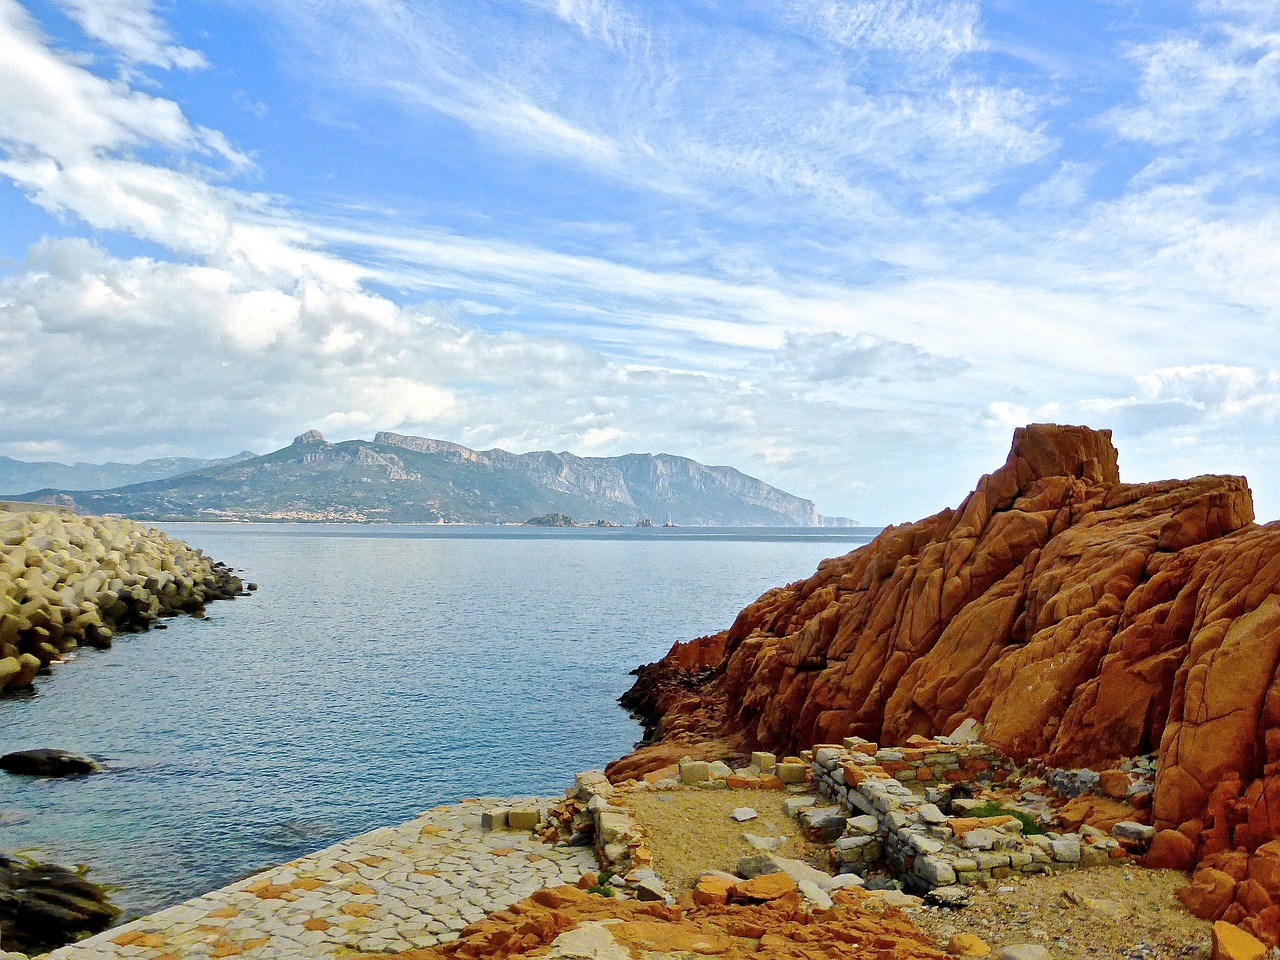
[(1170, 850), (1115, 784), (1080, 619), (558, 898), (1234, 863), (1253, 896), (967, 945), (770, 886), (1265, 871), (1210, 893), (1101, 812), (962, 825), (1232, 943), (669, 772), (712, 889)]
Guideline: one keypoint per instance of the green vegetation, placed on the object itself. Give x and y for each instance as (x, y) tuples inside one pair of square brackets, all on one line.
[(602, 887), (553, 520), (1030, 826)]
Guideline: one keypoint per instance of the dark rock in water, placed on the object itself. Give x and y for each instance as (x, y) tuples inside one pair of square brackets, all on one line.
[(48, 763), (43, 906)]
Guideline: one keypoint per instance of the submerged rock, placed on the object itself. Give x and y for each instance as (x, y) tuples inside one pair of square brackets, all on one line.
[(43, 906), (48, 763)]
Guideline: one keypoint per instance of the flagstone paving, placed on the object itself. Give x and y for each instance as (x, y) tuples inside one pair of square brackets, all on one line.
[(396, 888)]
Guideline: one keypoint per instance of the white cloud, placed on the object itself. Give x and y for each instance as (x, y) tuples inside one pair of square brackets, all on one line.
[(55, 106), (833, 357), (133, 30), (931, 31), (608, 21), (1201, 88)]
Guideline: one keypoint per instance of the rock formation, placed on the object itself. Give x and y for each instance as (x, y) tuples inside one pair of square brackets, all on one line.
[(1080, 619), (43, 906), (67, 580)]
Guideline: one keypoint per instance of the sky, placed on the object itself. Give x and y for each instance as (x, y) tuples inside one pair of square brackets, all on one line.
[(846, 246)]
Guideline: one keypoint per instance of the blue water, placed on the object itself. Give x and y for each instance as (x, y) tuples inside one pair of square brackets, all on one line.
[(377, 671)]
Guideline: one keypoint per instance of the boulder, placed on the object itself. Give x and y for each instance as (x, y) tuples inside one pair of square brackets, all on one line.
[(1210, 893), (43, 906), (968, 945), (1232, 943), (1170, 850), (48, 763), (770, 886)]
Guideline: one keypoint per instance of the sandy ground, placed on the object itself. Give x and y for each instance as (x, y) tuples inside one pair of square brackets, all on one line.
[(1120, 911), (691, 831), (1115, 911)]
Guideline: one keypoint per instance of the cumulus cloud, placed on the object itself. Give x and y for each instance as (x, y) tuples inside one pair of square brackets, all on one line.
[(833, 357), (132, 29)]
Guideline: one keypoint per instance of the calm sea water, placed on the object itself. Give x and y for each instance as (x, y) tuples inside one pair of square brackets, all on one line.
[(378, 671)]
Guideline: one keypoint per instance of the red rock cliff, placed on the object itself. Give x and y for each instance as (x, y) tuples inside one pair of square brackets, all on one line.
[(1081, 619)]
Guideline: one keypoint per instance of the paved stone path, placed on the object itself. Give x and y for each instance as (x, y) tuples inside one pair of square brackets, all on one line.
[(394, 889)]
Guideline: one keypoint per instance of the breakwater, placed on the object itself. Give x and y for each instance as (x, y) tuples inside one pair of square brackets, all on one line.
[(68, 580)]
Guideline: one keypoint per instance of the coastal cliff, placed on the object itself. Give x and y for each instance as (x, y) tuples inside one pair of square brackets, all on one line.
[(1081, 620), (67, 580)]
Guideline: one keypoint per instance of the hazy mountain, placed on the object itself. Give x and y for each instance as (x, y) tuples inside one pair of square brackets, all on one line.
[(17, 476), (414, 479)]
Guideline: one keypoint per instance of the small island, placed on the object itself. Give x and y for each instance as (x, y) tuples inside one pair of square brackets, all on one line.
[(554, 520)]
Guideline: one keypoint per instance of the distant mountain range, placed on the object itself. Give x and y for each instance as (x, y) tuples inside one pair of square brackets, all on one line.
[(403, 479), (17, 476)]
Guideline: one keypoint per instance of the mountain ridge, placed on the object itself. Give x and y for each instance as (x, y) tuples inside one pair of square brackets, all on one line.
[(22, 476), (399, 478)]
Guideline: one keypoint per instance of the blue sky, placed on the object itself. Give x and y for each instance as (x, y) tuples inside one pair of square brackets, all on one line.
[(843, 245)]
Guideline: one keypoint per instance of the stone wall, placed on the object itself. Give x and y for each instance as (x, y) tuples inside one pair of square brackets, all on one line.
[(880, 821)]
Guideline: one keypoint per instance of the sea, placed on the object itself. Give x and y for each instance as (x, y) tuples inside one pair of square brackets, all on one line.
[(377, 671)]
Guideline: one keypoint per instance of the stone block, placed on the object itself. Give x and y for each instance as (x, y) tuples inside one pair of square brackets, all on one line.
[(613, 825), (792, 772), (493, 819), (931, 814), (990, 860), (934, 871), (694, 771), (1094, 856), (793, 805), (763, 761), (764, 888), (1065, 849), (523, 819), (592, 783), (1128, 830), (863, 825), (981, 839)]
